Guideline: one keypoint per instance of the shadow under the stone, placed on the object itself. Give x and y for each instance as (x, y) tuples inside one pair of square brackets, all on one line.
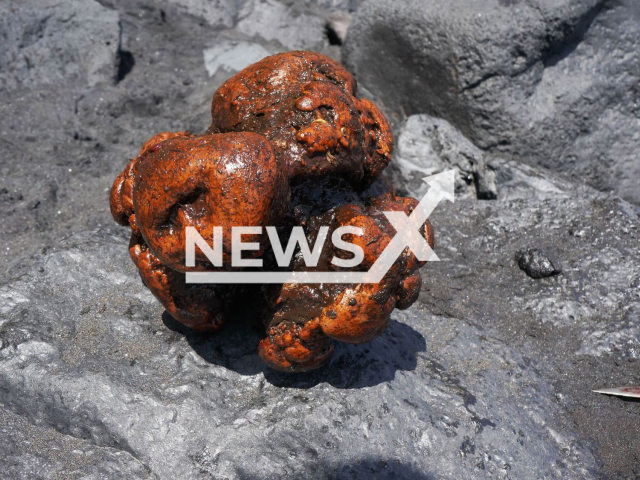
[(352, 366), (625, 399), (233, 346), (367, 468)]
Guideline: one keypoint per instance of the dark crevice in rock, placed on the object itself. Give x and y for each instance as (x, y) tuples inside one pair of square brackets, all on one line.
[(107, 4), (490, 75), (555, 53), (34, 33), (478, 82), (126, 62), (332, 36)]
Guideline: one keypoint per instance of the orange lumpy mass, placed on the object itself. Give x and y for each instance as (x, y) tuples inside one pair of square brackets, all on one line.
[(289, 145)]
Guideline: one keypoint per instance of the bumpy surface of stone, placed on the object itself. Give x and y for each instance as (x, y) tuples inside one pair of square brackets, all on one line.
[(452, 384), (99, 364), (305, 104), (548, 83), (289, 121), (535, 263)]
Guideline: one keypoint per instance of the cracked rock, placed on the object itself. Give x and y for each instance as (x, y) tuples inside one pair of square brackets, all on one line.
[(337, 26)]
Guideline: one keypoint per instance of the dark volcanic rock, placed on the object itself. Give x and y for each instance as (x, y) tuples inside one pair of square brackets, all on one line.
[(489, 376), (426, 145), (32, 451), (548, 83), (535, 263), (87, 352), (48, 42)]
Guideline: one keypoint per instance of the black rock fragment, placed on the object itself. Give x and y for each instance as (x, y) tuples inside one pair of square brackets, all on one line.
[(535, 263)]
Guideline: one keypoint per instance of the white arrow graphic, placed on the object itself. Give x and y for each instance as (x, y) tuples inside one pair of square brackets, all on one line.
[(407, 228), (441, 186)]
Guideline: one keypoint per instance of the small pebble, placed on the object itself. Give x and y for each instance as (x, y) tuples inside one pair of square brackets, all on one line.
[(535, 263)]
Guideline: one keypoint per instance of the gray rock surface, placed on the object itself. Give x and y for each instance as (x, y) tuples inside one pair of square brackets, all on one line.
[(233, 56), (217, 13), (294, 27), (427, 145), (293, 24), (489, 375), (551, 83), (582, 327), (49, 41), (31, 451), (87, 352)]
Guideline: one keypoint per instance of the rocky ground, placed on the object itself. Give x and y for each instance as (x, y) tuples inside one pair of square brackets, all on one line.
[(488, 375)]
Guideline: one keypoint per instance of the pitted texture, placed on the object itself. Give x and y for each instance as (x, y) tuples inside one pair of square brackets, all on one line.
[(305, 104), (352, 313), (289, 146)]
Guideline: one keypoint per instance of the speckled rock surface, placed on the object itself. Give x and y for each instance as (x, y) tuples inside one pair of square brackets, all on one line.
[(31, 451), (86, 351), (49, 42), (490, 375)]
